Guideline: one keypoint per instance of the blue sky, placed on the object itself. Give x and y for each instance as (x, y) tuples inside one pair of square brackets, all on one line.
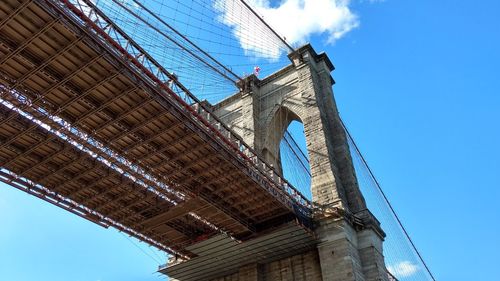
[(417, 85)]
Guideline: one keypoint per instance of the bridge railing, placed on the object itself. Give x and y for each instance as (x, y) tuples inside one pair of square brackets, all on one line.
[(86, 13)]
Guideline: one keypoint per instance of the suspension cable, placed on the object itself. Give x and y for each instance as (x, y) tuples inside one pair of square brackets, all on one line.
[(379, 188), (267, 25), (119, 3), (292, 147), (187, 40)]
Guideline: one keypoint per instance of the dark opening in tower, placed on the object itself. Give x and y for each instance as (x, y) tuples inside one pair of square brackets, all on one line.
[(294, 158)]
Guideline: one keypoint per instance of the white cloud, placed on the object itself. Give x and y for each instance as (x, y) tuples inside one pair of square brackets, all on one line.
[(296, 20), (403, 269)]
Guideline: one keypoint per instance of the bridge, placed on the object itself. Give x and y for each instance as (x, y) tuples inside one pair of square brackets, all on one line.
[(93, 123)]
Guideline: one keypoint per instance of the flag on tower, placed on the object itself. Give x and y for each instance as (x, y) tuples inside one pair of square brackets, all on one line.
[(256, 71)]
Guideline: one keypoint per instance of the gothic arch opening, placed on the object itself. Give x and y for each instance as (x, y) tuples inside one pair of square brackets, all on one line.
[(294, 158), (285, 148)]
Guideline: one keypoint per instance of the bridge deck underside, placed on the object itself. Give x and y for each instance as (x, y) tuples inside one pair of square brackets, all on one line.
[(221, 256), (167, 181)]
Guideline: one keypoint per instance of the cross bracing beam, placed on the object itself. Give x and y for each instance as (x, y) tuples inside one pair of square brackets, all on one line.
[(93, 185), (30, 39), (152, 137), (77, 70), (66, 165), (96, 167), (56, 193), (184, 168), (26, 152), (221, 205), (112, 120), (77, 139), (173, 213), (137, 127), (14, 13), (18, 135), (9, 119), (165, 216), (234, 213), (103, 191), (63, 81), (229, 178), (73, 43), (99, 83), (44, 161), (63, 128), (48, 158)]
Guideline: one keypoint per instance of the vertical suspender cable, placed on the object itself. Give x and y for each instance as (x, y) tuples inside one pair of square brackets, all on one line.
[(267, 25), (187, 39)]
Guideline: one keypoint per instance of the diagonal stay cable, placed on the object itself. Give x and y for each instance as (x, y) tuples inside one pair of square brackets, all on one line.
[(294, 142), (187, 39), (267, 25), (172, 40), (296, 155), (372, 176)]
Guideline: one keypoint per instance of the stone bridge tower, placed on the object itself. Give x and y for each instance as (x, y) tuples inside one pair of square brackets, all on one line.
[(349, 237)]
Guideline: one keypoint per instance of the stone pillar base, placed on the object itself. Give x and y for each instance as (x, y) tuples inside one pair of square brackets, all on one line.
[(371, 255), (347, 254), (338, 251)]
